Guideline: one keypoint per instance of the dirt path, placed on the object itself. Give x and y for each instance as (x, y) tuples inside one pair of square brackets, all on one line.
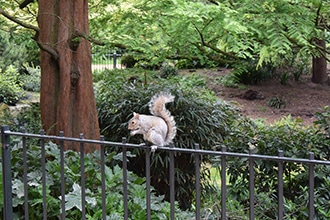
[(302, 98)]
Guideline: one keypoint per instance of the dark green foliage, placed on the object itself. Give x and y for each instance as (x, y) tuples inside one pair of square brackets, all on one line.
[(11, 54), (323, 120), (168, 70), (28, 118), (249, 73), (202, 62), (113, 176), (5, 116), (31, 79), (284, 78), (276, 102), (200, 116), (128, 61), (296, 141), (10, 87)]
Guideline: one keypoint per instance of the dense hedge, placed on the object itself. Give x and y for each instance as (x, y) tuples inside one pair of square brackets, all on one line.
[(200, 116)]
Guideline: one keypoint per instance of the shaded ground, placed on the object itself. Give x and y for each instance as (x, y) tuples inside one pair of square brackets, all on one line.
[(303, 98)]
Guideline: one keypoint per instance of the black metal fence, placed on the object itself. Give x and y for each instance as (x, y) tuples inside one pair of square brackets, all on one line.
[(106, 60), (6, 135)]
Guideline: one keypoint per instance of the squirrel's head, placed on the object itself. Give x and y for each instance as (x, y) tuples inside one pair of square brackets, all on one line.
[(133, 123)]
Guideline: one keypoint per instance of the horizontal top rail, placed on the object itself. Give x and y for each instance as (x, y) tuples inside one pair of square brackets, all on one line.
[(182, 150)]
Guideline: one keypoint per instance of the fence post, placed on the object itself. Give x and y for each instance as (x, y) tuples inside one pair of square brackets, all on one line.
[(125, 180), (6, 174), (223, 184), (280, 186), (172, 183), (114, 60), (311, 187), (44, 175), (25, 177), (148, 183), (198, 184), (82, 178), (102, 152), (251, 182), (62, 163)]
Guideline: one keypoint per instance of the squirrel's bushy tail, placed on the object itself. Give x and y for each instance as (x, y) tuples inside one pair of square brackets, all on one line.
[(157, 107)]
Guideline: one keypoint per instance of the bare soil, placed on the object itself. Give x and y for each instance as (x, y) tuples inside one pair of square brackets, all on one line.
[(303, 98)]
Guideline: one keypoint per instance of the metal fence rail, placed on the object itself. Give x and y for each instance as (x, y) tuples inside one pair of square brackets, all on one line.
[(197, 152)]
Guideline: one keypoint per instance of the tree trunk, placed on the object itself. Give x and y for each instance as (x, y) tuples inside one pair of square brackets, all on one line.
[(319, 67), (67, 99)]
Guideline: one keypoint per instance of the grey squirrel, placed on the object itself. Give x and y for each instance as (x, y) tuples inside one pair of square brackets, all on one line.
[(159, 129)]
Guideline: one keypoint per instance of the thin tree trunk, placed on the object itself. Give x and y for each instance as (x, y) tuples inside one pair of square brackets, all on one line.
[(319, 67), (67, 97)]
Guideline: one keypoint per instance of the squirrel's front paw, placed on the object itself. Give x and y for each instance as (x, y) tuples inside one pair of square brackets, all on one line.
[(153, 148)]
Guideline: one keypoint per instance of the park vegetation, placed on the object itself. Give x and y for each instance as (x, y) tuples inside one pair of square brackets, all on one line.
[(158, 38), (219, 124)]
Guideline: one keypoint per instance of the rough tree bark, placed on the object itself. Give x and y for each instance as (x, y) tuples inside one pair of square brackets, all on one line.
[(319, 68), (66, 98)]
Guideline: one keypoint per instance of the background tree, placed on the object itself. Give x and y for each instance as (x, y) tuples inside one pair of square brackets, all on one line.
[(67, 97), (322, 19), (225, 32)]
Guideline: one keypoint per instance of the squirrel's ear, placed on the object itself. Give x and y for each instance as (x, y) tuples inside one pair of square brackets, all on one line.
[(136, 115)]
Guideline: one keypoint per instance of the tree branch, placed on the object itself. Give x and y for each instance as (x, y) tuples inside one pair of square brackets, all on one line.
[(88, 37), (217, 50), (17, 21), (25, 3), (49, 50)]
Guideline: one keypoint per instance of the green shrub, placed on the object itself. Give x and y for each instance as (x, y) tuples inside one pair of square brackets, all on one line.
[(284, 77), (276, 102), (248, 72), (168, 70), (12, 55), (31, 80), (296, 141), (228, 80), (323, 120), (113, 177), (28, 118), (128, 61), (10, 87), (200, 116), (5, 116)]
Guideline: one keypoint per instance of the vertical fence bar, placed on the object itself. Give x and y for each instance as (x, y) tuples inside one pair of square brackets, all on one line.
[(198, 184), (62, 176), (43, 176), (172, 183), (311, 187), (6, 174), (25, 181), (148, 202), (114, 60), (82, 178), (125, 190), (223, 185), (280, 186), (103, 180), (251, 183)]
